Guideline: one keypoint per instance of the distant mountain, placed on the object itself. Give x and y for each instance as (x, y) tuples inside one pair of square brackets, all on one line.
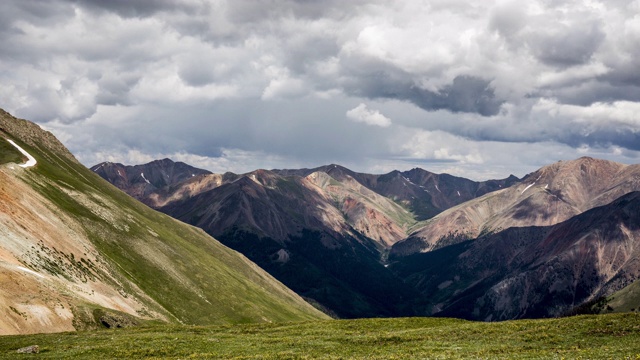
[(533, 271), (76, 253), (548, 196), (423, 193), (142, 180)]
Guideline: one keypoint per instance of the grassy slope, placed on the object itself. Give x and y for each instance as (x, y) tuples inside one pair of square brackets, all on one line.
[(588, 337), (627, 299), (8, 153), (195, 278)]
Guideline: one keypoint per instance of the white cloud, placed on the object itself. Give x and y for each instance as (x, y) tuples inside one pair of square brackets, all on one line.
[(370, 117)]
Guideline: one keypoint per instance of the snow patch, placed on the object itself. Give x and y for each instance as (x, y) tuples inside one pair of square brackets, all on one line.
[(145, 179), (438, 188), (525, 189), (30, 159), (458, 193), (30, 271)]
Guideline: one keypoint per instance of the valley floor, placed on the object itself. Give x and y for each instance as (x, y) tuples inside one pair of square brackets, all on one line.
[(614, 336)]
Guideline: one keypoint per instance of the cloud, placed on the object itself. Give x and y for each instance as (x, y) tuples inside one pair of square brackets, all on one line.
[(362, 114), (274, 80), (138, 8)]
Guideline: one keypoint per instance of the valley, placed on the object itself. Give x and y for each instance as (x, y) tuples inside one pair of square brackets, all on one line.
[(416, 243)]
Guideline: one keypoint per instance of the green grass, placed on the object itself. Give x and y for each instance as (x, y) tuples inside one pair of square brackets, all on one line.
[(627, 299), (8, 153), (583, 337)]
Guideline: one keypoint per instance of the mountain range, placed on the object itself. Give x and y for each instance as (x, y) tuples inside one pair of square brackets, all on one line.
[(323, 232), (299, 244), (418, 243)]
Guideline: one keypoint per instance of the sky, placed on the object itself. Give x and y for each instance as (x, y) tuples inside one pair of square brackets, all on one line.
[(479, 89)]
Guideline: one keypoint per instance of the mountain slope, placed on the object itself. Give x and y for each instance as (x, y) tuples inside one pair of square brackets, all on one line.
[(533, 271), (291, 228), (545, 197), (73, 247)]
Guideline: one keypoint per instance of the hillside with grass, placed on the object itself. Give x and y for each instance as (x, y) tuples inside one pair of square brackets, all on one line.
[(76, 252)]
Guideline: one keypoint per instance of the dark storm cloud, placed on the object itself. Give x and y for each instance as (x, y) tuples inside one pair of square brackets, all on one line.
[(37, 11), (607, 136), (568, 46), (465, 94), (588, 94), (114, 90), (135, 8)]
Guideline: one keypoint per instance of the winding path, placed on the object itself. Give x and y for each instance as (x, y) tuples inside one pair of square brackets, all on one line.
[(30, 159)]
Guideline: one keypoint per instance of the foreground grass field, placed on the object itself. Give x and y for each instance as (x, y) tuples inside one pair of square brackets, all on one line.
[(615, 336)]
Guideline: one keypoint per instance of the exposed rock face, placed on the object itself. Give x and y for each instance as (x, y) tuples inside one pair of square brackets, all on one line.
[(380, 207), (548, 196), (32, 134)]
